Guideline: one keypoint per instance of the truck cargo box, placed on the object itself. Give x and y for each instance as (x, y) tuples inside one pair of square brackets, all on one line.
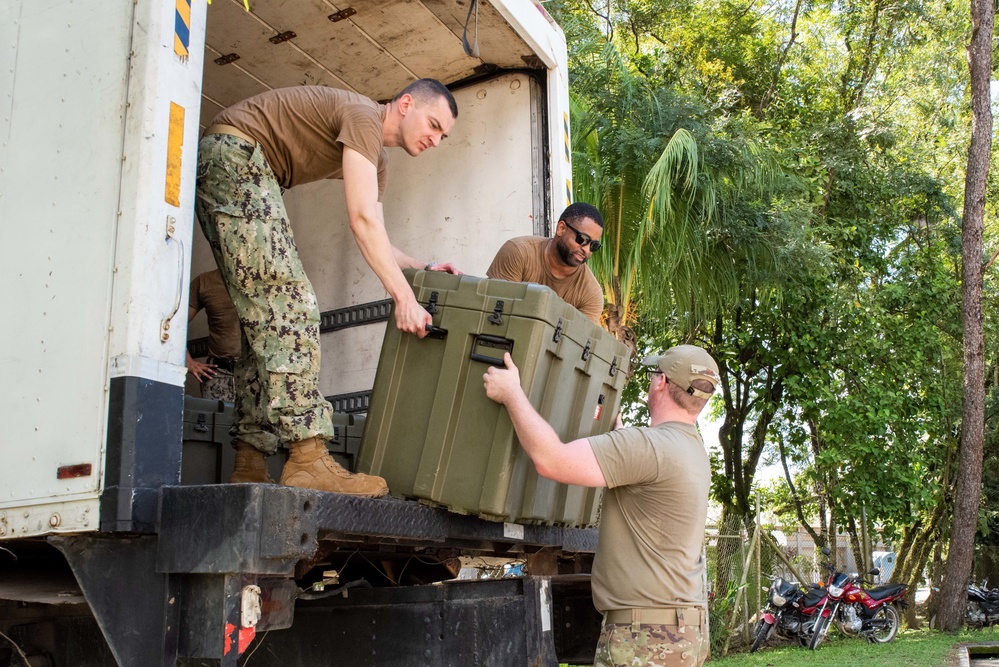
[(432, 432), (118, 547)]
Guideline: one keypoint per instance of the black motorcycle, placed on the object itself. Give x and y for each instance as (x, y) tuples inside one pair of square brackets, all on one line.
[(983, 605), (789, 612)]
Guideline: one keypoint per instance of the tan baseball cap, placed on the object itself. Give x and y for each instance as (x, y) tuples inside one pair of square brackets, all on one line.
[(685, 363)]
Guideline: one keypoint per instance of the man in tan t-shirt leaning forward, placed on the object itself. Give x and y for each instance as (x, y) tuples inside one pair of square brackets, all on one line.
[(558, 262), (250, 153), (648, 568)]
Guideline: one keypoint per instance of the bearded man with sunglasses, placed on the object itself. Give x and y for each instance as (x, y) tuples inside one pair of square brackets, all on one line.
[(558, 262), (648, 568)]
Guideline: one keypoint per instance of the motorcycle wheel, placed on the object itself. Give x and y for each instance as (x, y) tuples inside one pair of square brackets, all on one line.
[(816, 638), (760, 635), (971, 616), (884, 624)]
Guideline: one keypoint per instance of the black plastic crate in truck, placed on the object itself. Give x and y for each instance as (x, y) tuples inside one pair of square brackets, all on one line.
[(208, 457)]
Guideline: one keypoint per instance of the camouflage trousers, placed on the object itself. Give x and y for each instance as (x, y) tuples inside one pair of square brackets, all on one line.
[(276, 378), (220, 386), (647, 645)]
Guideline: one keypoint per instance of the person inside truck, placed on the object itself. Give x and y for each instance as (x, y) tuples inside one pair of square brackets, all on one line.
[(558, 262), (208, 293), (248, 155), (648, 568)]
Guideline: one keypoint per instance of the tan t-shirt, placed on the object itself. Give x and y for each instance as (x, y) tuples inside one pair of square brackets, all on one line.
[(522, 259), (303, 131), (208, 291), (652, 520)]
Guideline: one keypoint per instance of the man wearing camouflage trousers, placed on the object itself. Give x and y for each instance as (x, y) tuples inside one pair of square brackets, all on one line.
[(648, 568), (250, 152)]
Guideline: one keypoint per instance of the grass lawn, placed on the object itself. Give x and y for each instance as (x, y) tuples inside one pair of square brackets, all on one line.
[(912, 648)]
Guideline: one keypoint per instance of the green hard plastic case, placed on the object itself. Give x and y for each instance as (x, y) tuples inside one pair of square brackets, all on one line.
[(434, 435)]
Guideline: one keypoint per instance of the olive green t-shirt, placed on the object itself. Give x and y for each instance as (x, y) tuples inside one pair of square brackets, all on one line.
[(652, 520), (522, 260), (303, 131), (208, 291)]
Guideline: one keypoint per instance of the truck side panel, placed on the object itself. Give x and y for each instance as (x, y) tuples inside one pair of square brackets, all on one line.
[(96, 179), (59, 189)]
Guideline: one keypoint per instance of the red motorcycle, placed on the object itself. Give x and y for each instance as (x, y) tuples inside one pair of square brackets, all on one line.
[(872, 613)]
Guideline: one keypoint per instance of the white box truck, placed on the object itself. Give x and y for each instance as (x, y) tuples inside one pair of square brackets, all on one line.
[(106, 557)]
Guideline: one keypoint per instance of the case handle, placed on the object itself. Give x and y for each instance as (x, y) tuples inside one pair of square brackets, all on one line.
[(491, 343), (435, 332)]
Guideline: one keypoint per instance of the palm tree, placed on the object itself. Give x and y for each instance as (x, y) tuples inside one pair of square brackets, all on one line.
[(673, 212)]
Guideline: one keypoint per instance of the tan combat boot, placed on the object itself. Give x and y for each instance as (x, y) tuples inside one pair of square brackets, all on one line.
[(251, 466), (310, 466)]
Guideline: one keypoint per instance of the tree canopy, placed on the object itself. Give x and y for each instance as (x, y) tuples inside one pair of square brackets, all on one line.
[(782, 184)]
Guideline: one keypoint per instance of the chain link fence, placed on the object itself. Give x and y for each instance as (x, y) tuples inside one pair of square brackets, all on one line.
[(741, 565)]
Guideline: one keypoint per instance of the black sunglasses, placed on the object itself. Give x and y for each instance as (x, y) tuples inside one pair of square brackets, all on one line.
[(582, 239), (652, 372)]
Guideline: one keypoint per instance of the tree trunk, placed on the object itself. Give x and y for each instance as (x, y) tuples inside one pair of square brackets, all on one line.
[(815, 443), (936, 574), (795, 497), (904, 556), (614, 318), (912, 560), (967, 492), (856, 545)]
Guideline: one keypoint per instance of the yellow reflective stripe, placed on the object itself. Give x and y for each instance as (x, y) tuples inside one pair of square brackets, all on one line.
[(175, 143)]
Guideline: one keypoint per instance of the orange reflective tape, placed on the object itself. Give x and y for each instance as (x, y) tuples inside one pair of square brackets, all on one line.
[(175, 145)]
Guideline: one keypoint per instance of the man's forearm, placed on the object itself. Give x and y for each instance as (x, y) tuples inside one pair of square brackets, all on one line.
[(380, 255), (536, 435), (405, 261)]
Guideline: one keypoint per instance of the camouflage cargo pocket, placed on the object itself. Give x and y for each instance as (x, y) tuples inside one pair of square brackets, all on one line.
[(234, 178)]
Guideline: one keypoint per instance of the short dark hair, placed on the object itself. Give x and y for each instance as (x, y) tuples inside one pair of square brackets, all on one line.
[(691, 404), (581, 210), (426, 91)]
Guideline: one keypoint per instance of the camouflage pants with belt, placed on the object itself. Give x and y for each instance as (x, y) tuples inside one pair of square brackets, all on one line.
[(276, 378), (650, 645)]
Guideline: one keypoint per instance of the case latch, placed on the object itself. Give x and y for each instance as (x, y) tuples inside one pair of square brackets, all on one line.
[(497, 316), (432, 304)]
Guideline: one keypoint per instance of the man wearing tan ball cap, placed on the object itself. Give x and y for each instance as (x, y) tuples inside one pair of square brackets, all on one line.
[(648, 570)]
